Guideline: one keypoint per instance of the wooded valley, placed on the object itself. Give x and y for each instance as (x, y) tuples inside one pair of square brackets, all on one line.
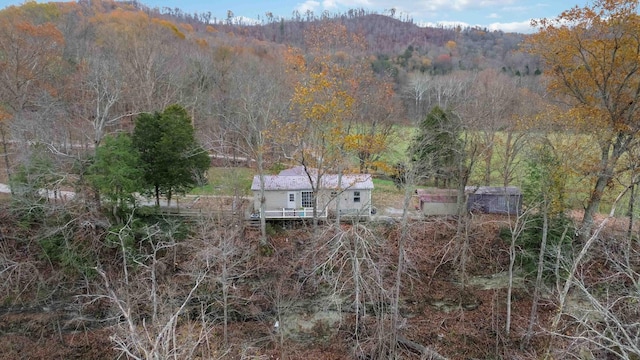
[(131, 135)]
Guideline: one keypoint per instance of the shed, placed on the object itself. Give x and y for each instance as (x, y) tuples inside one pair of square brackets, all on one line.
[(494, 199), (434, 201)]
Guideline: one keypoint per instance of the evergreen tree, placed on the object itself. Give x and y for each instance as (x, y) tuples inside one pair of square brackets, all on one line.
[(173, 162), (437, 147), (116, 171)]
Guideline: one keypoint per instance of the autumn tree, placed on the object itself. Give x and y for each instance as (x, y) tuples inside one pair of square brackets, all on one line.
[(346, 113), (148, 52), (591, 59), (172, 160), (30, 55), (376, 113), (322, 103)]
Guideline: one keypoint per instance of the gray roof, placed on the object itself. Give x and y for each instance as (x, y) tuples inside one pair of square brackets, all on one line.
[(301, 182), (493, 190)]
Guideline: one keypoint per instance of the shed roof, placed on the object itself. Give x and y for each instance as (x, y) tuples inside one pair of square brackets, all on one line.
[(301, 182), (493, 190)]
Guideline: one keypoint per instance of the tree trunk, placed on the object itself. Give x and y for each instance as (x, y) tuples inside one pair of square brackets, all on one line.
[(487, 163), (592, 206), (536, 289), (397, 287), (632, 200), (6, 156), (610, 153), (263, 205), (512, 260), (337, 198)]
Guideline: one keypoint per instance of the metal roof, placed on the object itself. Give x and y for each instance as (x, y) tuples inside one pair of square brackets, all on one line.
[(301, 182), (493, 190)]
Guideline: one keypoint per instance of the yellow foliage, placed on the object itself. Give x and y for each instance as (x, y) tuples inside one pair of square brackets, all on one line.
[(202, 43), (169, 25), (187, 27), (333, 88), (295, 60), (134, 23)]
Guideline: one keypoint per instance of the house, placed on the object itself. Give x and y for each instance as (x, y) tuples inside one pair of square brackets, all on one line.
[(484, 199), (289, 195)]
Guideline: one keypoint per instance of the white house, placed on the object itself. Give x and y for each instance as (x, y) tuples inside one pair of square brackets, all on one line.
[(290, 195)]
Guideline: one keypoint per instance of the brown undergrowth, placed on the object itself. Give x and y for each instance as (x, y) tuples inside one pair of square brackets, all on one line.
[(283, 282)]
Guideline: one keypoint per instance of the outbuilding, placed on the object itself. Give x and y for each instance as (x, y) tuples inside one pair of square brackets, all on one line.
[(483, 199), (494, 199)]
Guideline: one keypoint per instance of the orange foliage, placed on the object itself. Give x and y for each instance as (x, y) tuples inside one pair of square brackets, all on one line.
[(32, 52), (202, 43), (135, 23), (591, 56), (451, 45), (169, 25), (187, 27), (340, 101)]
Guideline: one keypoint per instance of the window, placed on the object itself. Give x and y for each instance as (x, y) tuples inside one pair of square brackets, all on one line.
[(356, 196), (292, 197), (307, 199)]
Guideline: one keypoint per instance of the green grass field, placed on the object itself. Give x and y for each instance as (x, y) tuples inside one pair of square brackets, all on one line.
[(226, 181)]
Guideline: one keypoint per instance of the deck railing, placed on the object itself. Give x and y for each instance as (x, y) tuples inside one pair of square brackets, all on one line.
[(290, 213)]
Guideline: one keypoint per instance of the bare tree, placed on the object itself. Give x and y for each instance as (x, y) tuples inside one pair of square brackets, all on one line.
[(147, 325), (104, 86), (225, 256), (609, 321), (352, 268), (493, 104), (261, 102), (516, 226)]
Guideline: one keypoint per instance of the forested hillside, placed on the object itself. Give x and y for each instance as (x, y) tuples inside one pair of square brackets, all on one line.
[(131, 136)]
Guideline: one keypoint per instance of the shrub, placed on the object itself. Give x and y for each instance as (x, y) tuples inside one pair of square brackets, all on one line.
[(530, 240)]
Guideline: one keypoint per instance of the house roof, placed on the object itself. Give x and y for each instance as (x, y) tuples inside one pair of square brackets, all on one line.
[(301, 182)]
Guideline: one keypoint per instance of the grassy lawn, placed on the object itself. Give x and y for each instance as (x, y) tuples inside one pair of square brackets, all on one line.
[(227, 181), (386, 194)]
